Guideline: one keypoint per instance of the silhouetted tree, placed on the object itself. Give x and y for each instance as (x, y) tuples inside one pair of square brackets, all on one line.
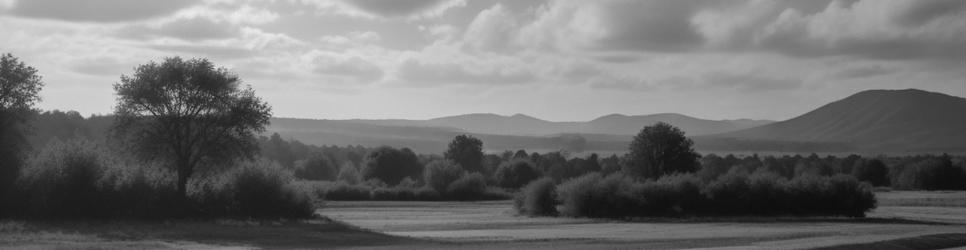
[(661, 149), (391, 165), (188, 113), (516, 173), (19, 85), (873, 171), (467, 151)]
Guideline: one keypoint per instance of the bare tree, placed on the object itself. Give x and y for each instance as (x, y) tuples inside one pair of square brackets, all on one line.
[(189, 114)]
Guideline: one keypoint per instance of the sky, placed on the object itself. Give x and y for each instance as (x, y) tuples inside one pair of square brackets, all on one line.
[(560, 60)]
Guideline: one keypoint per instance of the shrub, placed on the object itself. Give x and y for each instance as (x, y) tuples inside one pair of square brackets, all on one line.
[(316, 167), (931, 174), (343, 191), (349, 174), (671, 195), (592, 195), (440, 173), (468, 187), (872, 171), (427, 194), (537, 198), (392, 165), (265, 190), (516, 173), (62, 180)]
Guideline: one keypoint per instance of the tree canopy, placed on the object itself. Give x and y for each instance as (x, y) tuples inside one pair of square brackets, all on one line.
[(467, 151), (188, 113), (391, 165), (19, 88), (661, 149)]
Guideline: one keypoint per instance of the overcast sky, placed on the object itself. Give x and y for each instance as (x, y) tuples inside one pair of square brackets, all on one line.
[(556, 60)]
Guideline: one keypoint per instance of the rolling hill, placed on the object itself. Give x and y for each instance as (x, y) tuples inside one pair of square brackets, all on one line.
[(611, 132), (908, 120)]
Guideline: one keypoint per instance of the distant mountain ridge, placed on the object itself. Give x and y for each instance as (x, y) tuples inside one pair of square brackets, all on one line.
[(614, 124), (498, 132), (908, 120)]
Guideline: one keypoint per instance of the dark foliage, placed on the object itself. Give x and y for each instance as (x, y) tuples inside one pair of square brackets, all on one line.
[(440, 173), (471, 186), (538, 198), (659, 150), (19, 88), (189, 114), (467, 151), (873, 171), (391, 165), (316, 167), (516, 173)]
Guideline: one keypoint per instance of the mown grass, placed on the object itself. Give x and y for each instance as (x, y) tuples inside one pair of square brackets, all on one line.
[(932, 241)]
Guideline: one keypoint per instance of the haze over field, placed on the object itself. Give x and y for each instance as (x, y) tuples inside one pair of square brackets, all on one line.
[(883, 121)]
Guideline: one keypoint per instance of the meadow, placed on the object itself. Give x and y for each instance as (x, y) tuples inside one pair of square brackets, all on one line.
[(904, 220)]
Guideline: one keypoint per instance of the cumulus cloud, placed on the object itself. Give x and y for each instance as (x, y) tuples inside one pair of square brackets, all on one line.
[(191, 29), (405, 8), (421, 73), (749, 81), (351, 69), (98, 10)]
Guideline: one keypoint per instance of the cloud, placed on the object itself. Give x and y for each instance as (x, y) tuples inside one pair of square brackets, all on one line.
[(98, 10), (419, 73), (353, 69), (748, 81), (405, 8), (191, 29), (491, 30), (855, 72)]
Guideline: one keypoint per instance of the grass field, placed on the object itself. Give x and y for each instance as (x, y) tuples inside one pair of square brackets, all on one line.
[(906, 220)]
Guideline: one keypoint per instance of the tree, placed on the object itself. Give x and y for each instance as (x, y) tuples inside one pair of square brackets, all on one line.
[(440, 173), (188, 114), (872, 171), (19, 88), (467, 151), (316, 167), (516, 173), (661, 149), (391, 165)]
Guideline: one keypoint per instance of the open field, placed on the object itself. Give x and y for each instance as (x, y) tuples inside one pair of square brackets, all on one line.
[(489, 222), (494, 225)]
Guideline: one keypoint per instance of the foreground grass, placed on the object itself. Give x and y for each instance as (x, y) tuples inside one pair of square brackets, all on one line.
[(316, 233), (933, 241)]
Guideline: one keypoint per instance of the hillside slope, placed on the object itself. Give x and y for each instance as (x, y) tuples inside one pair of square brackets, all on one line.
[(876, 120)]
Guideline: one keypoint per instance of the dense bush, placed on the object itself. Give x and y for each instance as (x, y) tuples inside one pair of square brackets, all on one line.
[(873, 171), (343, 191), (265, 190), (440, 173), (471, 186), (734, 193), (931, 174), (391, 165), (81, 179), (316, 167), (539, 197), (349, 174), (516, 173)]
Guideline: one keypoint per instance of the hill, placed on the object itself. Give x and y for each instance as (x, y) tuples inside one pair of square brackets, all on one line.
[(908, 120)]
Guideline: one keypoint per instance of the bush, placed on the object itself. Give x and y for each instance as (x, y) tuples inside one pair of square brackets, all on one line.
[(539, 197), (762, 193), (468, 187), (316, 167), (872, 171), (265, 190), (440, 173), (516, 173), (349, 174), (343, 191), (63, 180), (931, 174), (392, 165)]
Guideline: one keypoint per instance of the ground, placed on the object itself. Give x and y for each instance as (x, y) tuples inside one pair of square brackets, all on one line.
[(926, 220)]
